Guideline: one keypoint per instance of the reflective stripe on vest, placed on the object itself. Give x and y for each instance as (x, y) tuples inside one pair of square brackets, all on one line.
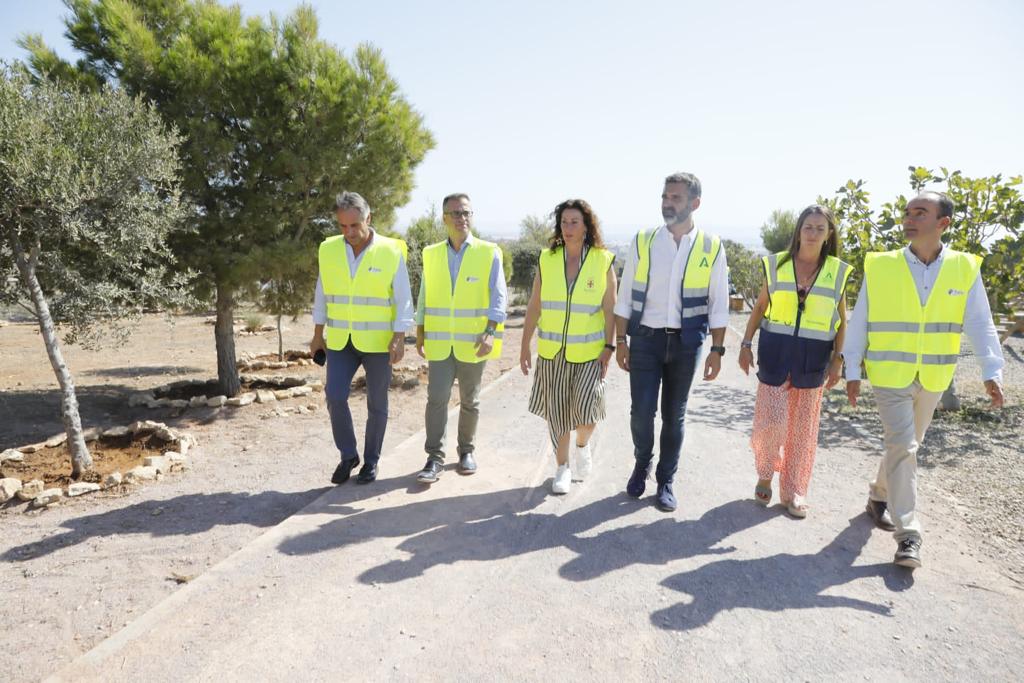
[(367, 318), (819, 317), (704, 249), (573, 320), (908, 340), (454, 320)]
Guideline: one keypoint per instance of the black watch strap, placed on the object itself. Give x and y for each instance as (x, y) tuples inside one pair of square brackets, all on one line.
[(720, 350)]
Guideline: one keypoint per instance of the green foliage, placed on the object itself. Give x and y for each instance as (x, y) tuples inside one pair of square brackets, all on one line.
[(745, 272), (987, 220), (535, 233), (253, 322), (90, 188), (534, 236), (275, 121), (777, 231), (426, 230)]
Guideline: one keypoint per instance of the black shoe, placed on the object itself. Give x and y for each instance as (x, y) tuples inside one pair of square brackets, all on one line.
[(909, 553), (467, 465), (638, 480), (367, 474), (879, 513), (344, 470), (666, 499), (431, 472)]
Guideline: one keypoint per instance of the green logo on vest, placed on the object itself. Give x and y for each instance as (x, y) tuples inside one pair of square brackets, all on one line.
[(828, 276), (703, 262)]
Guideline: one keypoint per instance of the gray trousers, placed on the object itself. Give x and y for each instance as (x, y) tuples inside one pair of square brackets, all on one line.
[(442, 375)]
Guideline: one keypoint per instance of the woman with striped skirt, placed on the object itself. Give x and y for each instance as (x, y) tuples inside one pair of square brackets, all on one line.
[(572, 309)]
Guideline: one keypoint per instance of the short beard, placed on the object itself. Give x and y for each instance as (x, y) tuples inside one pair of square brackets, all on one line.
[(679, 217)]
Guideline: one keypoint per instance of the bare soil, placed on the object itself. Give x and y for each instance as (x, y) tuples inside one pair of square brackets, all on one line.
[(53, 465)]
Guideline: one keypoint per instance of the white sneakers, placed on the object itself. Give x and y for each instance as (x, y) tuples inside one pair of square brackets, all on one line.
[(562, 480), (584, 462)]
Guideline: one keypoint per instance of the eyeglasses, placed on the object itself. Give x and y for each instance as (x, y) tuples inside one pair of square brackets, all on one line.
[(458, 214)]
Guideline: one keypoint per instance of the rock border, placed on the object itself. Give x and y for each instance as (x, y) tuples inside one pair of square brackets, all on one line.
[(173, 458), (287, 387)]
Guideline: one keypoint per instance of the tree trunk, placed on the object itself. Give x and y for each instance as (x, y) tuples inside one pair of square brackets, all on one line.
[(224, 334), (81, 461), (280, 340)]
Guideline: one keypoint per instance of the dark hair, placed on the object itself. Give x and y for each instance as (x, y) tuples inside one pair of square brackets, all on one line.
[(831, 246), (455, 195), (688, 179), (943, 200), (593, 238)]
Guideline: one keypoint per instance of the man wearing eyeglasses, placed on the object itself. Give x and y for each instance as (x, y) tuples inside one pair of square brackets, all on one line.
[(459, 324)]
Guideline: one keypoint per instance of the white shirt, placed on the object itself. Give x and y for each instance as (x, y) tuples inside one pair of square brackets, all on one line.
[(664, 304), (978, 325), (402, 305)]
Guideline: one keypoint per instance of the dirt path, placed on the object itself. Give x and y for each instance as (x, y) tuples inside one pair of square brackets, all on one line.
[(589, 582)]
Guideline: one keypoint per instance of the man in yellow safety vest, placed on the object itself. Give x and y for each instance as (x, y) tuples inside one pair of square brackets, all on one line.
[(363, 302), (459, 324), (912, 308)]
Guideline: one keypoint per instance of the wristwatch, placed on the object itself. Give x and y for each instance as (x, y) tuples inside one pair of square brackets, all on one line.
[(720, 350), (488, 331), (747, 344)]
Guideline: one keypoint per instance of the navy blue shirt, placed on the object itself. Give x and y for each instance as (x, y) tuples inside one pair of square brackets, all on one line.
[(803, 361)]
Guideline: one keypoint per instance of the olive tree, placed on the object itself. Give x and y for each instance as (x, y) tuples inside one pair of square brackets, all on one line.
[(89, 194)]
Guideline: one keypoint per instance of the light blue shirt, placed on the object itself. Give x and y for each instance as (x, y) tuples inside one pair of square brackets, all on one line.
[(402, 305), (978, 325), (497, 288)]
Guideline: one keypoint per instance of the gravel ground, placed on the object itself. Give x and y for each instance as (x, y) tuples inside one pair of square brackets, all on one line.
[(974, 455)]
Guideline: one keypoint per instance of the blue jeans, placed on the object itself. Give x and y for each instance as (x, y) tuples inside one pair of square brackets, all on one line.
[(657, 359), (341, 367)]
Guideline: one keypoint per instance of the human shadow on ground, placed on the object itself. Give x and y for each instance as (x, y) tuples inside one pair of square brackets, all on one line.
[(780, 582), (356, 525), (34, 415), (179, 516), (489, 537)]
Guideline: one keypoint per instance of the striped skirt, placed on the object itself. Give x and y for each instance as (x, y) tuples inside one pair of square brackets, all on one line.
[(566, 394)]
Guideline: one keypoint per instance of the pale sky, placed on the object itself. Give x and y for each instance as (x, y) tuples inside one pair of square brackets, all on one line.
[(770, 104)]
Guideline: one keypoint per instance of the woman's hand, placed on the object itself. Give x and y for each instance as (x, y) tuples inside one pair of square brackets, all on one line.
[(604, 359), (835, 370), (746, 360), (525, 360)]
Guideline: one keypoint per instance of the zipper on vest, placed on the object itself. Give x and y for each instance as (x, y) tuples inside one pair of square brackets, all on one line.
[(571, 289)]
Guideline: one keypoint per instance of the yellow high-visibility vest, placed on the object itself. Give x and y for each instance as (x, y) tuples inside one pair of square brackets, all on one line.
[(819, 318), (454, 320), (704, 249), (908, 340), (572, 319), (360, 308)]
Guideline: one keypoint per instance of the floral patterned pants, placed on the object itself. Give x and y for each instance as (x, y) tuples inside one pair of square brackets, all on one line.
[(785, 436)]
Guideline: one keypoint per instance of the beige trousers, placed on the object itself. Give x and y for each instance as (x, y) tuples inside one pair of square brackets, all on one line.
[(906, 414)]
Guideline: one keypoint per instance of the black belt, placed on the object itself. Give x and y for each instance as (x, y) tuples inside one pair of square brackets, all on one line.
[(666, 330)]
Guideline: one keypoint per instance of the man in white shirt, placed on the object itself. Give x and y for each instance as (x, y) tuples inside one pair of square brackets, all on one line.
[(674, 288), (900, 339)]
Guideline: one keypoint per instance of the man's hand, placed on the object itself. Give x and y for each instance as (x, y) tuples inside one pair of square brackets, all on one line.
[(746, 360), (525, 360), (622, 355), (604, 359), (396, 348), (317, 344), (419, 341), (995, 392), (712, 366), (484, 344), (852, 391)]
